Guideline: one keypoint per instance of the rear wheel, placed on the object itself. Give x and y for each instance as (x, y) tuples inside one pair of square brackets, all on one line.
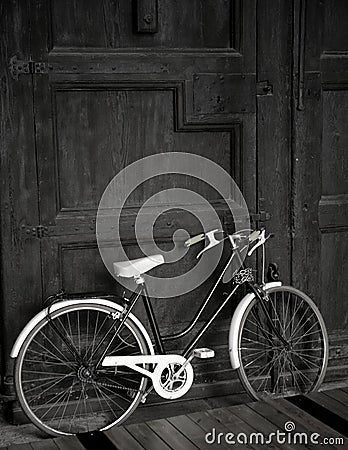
[(270, 368), (58, 386)]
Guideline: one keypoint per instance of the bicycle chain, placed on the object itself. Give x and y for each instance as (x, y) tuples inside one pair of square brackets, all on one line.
[(121, 388)]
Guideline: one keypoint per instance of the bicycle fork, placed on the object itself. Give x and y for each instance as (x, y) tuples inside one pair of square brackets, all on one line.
[(263, 297)]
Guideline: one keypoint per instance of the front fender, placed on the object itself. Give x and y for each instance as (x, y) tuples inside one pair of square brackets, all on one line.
[(235, 324), (62, 304)]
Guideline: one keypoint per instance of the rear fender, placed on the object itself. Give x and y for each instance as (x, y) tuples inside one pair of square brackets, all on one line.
[(63, 304)]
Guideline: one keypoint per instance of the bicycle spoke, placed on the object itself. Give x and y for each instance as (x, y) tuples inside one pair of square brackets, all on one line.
[(256, 342), (262, 328), (272, 368), (300, 372), (87, 332), (57, 399), (42, 385), (104, 388), (298, 328), (65, 406), (281, 374), (294, 315), (70, 396), (46, 350), (265, 368), (306, 360), (306, 333)]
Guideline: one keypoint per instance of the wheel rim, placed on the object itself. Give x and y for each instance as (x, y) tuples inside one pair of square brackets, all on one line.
[(269, 368), (64, 396)]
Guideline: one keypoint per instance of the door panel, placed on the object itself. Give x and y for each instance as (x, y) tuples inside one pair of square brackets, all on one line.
[(321, 163), (274, 58), (113, 95), (208, 24), (20, 253), (333, 206)]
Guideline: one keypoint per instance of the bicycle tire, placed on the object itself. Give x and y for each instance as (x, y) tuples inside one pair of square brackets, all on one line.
[(277, 370), (53, 388)]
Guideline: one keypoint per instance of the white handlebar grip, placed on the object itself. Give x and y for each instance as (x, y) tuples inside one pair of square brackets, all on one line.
[(194, 240), (254, 235)]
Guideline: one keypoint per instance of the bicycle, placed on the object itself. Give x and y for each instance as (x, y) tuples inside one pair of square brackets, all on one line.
[(85, 362)]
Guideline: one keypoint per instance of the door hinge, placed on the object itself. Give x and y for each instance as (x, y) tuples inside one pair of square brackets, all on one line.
[(264, 88), (25, 67), (255, 218), (262, 215), (38, 231)]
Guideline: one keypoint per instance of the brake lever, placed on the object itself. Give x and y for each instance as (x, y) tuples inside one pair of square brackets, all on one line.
[(262, 240), (212, 241)]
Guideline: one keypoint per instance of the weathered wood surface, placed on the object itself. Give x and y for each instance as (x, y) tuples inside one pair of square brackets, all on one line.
[(113, 95), (320, 185), (328, 419)]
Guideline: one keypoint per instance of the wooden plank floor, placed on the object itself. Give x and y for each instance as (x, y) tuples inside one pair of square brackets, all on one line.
[(324, 413)]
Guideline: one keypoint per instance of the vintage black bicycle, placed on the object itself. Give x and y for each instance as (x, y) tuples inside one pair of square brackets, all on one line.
[(85, 364)]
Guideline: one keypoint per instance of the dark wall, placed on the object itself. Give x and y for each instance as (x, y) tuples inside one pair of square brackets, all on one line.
[(261, 90)]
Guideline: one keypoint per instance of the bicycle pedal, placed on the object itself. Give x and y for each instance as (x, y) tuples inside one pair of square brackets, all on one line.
[(203, 353)]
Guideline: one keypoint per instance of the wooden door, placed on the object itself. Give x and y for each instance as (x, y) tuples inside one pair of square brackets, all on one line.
[(321, 167), (112, 82)]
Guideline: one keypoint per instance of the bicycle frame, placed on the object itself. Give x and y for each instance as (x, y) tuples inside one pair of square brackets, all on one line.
[(158, 339)]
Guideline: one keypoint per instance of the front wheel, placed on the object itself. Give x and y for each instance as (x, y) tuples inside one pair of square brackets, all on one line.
[(58, 384), (271, 368)]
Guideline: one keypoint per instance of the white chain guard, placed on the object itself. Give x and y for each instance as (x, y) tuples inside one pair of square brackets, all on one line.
[(161, 362)]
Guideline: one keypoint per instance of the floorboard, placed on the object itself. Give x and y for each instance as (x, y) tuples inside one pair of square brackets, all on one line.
[(232, 422), (169, 434), (252, 425), (340, 395), (299, 416), (280, 419), (121, 438), (323, 409), (191, 430), (69, 443), (259, 424), (48, 444), (148, 439)]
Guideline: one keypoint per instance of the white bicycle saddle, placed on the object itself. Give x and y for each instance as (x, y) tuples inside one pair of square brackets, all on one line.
[(136, 267)]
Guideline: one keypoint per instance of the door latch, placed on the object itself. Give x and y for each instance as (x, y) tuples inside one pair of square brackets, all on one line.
[(262, 215), (264, 88)]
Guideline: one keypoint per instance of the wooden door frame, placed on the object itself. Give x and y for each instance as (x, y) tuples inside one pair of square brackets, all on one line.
[(17, 135), (274, 138)]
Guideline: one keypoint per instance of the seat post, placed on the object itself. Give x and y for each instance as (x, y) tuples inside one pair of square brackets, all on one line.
[(152, 319)]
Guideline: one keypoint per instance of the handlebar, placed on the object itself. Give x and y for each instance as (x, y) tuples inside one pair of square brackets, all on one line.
[(257, 235)]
